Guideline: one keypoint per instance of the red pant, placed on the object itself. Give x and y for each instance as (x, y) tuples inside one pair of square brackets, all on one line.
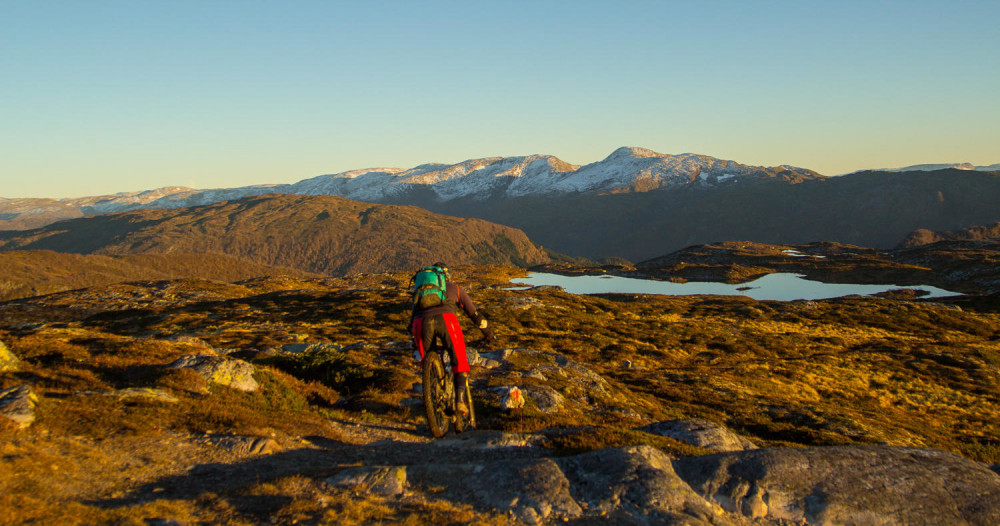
[(444, 327)]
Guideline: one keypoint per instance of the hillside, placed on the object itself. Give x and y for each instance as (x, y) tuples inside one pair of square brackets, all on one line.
[(975, 233), (873, 209), (322, 234), (640, 410), (36, 272)]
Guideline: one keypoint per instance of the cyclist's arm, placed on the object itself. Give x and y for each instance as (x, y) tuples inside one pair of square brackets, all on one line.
[(469, 307), (465, 302)]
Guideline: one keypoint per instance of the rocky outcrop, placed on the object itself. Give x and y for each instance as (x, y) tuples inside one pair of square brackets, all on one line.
[(552, 380), (243, 445), (533, 489), (636, 485), (848, 485), (546, 398), (859, 485), (221, 370), (387, 481), (8, 361), (18, 404), (701, 433)]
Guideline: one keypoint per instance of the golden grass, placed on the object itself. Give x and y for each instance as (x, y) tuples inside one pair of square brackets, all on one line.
[(850, 371)]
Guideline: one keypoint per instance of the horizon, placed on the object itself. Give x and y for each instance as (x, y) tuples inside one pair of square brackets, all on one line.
[(113, 97)]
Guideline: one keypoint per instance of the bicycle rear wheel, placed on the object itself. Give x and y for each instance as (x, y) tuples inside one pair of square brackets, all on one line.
[(436, 394)]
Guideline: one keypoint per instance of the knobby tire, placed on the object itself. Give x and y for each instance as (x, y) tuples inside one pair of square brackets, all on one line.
[(436, 394)]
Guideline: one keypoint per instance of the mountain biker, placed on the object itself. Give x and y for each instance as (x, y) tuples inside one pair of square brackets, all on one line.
[(441, 322)]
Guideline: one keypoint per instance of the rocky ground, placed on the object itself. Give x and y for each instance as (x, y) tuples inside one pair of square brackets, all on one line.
[(295, 401)]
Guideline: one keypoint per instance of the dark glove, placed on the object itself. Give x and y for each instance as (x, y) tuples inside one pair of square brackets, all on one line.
[(488, 337)]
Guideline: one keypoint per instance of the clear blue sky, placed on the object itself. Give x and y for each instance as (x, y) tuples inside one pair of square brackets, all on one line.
[(99, 97)]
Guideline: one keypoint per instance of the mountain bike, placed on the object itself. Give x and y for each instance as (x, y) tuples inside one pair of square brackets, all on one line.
[(439, 395)]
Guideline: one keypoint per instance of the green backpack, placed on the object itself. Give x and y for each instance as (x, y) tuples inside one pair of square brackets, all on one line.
[(429, 287)]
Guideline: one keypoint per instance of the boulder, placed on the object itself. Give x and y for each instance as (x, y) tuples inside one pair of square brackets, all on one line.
[(221, 370), (512, 399), (243, 445), (18, 404), (701, 433), (299, 348), (636, 485), (387, 481), (847, 485), (8, 362), (534, 490), (546, 398)]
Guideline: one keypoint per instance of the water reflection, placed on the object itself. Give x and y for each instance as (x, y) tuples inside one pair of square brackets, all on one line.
[(780, 287)]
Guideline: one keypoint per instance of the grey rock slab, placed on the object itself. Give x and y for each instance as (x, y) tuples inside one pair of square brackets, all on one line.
[(8, 361), (848, 485), (243, 445), (298, 348), (701, 433), (18, 404), (534, 490), (388, 481), (636, 485), (546, 398), (219, 369), (490, 440)]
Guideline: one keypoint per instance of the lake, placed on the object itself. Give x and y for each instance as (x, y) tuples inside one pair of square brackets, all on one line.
[(779, 287)]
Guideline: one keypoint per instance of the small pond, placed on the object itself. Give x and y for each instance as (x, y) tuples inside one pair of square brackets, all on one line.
[(779, 287)]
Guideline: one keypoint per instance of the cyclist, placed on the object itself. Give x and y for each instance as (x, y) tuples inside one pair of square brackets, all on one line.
[(441, 322)]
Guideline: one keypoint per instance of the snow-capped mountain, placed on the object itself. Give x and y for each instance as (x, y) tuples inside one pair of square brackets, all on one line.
[(625, 170)]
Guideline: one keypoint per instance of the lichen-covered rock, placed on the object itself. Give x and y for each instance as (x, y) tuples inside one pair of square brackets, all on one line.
[(701, 433), (636, 485), (388, 481), (8, 362), (533, 490), (243, 445), (848, 485), (221, 370), (18, 404), (546, 398), (299, 348)]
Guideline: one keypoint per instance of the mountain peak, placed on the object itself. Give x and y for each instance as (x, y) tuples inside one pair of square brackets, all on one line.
[(632, 152)]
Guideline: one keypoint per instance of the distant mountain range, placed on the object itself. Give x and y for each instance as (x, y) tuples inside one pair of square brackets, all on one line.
[(321, 234), (635, 203), (625, 170), (932, 167)]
